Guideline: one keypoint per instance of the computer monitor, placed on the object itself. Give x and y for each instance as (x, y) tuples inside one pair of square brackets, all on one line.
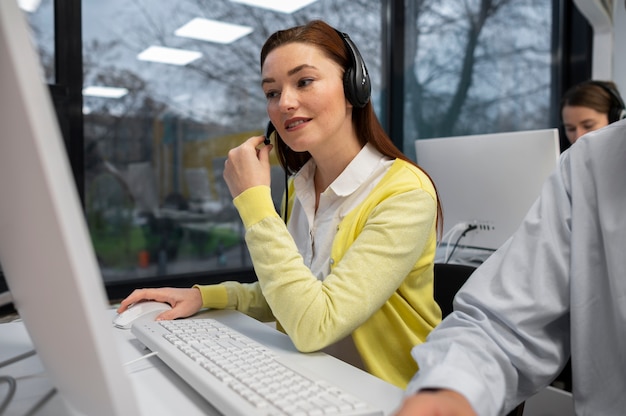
[(488, 180), (45, 249)]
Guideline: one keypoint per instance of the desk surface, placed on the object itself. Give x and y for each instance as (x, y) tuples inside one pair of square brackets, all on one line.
[(161, 391)]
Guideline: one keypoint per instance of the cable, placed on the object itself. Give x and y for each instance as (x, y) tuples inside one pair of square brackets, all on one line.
[(11, 381), (286, 195), (469, 228), (456, 244), (7, 399), (49, 394), (447, 235), (143, 357), (450, 234), (41, 402), (18, 358)]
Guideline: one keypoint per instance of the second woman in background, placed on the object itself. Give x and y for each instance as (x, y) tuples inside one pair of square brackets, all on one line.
[(349, 269), (589, 106)]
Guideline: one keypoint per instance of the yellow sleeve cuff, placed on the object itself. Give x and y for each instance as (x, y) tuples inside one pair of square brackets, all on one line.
[(213, 296), (255, 204)]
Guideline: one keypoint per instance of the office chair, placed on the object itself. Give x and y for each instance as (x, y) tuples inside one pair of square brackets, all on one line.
[(448, 279)]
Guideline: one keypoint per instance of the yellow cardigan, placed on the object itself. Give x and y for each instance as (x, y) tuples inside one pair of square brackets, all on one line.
[(380, 286)]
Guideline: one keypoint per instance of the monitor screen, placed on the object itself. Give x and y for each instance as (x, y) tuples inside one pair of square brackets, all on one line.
[(488, 180), (45, 249)]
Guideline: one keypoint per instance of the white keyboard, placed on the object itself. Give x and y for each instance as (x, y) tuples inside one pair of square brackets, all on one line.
[(240, 376)]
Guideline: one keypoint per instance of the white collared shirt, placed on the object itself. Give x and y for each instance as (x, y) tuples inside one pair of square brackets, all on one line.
[(314, 232)]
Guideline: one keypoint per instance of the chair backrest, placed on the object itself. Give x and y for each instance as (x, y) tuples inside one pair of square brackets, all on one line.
[(448, 279)]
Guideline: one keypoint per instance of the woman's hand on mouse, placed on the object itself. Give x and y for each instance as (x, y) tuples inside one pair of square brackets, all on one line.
[(184, 301), (248, 166)]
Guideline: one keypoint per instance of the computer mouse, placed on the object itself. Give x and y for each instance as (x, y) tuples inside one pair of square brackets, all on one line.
[(147, 310)]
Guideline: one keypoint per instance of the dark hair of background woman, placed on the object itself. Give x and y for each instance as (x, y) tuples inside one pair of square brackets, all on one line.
[(601, 96)]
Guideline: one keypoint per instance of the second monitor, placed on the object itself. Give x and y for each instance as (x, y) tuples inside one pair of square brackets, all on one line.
[(489, 180)]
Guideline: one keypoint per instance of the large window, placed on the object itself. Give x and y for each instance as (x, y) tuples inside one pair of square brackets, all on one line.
[(157, 127), (148, 146), (484, 67)]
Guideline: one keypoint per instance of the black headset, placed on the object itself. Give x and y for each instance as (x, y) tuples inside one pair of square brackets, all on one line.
[(617, 110), (356, 79)]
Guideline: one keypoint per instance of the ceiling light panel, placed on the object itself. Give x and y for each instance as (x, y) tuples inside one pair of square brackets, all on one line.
[(105, 92), (29, 6), (212, 31), (168, 55), (283, 6)]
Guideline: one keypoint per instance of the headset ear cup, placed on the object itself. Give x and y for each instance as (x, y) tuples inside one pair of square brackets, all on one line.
[(356, 80), (348, 87), (356, 94), (357, 87), (617, 114)]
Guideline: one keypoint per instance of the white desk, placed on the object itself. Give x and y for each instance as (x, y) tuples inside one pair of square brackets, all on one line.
[(161, 391)]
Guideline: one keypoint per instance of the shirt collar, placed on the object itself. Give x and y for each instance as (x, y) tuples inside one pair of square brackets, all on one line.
[(358, 171), (353, 176)]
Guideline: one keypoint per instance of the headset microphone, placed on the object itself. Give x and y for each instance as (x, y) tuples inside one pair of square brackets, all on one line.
[(268, 132)]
